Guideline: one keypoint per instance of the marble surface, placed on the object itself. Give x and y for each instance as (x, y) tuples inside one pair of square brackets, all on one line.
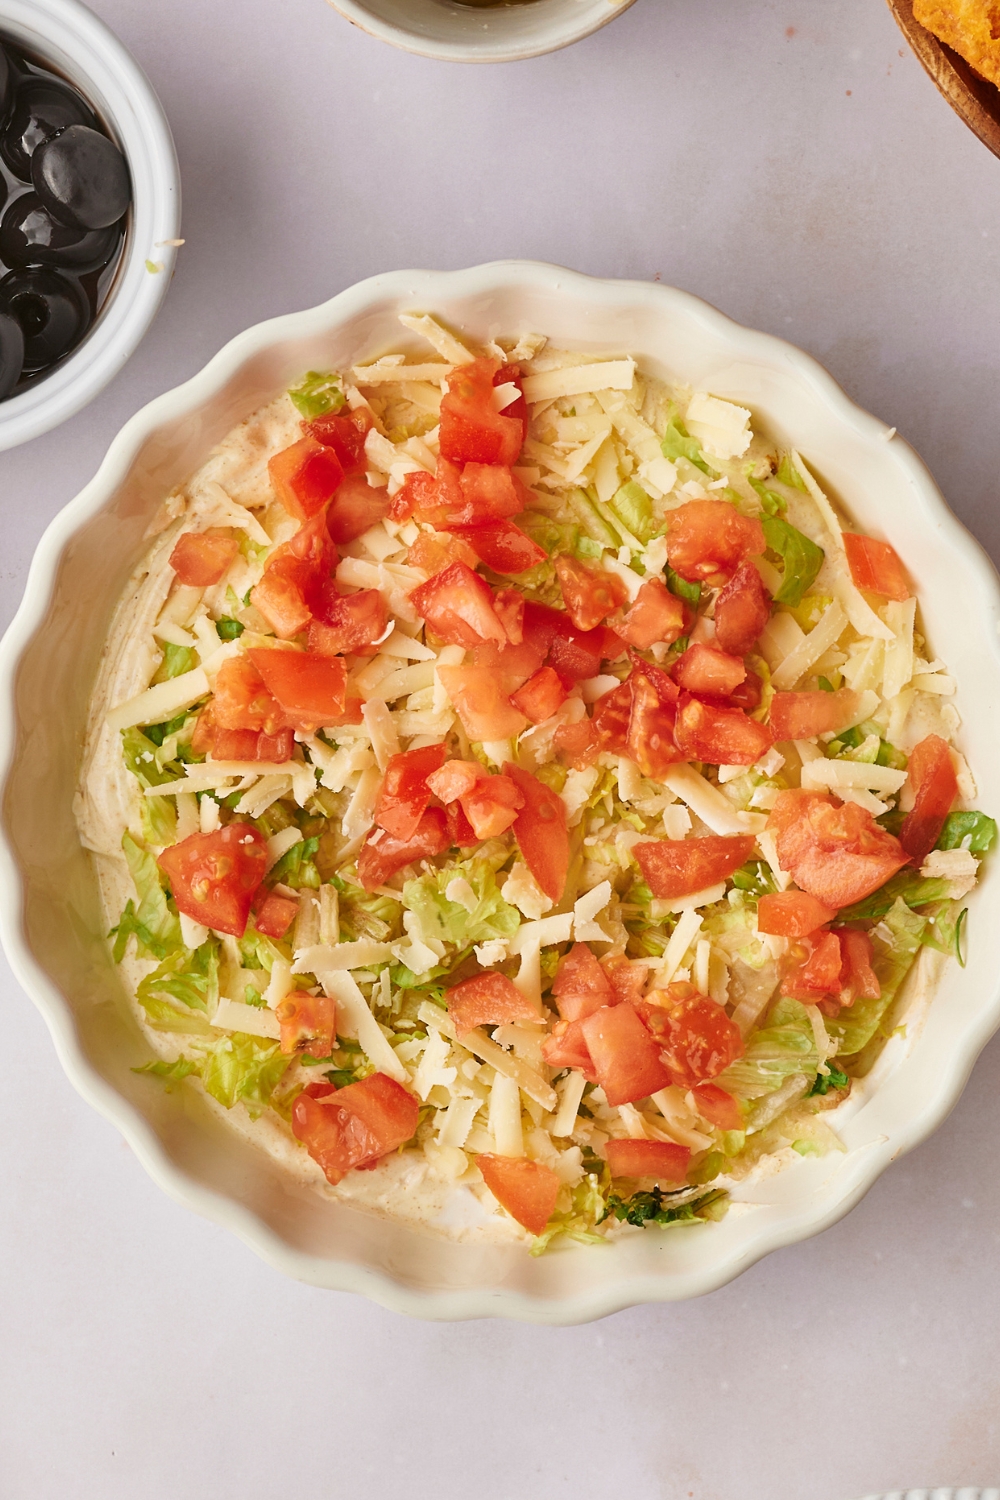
[(789, 161)]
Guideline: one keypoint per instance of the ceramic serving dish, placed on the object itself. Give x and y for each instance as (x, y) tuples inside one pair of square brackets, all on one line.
[(49, 914), (478, 32), (67, 37), (973, 98)]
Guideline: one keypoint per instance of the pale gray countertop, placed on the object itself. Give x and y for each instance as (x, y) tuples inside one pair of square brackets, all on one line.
[(789, 161)]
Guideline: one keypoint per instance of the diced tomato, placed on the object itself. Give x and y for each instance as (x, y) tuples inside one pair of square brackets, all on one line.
[(455, 779), (511, 375), (305, 476), (576, 743), (742, 609), (478, 698), (276, 747), (472, 430), (540, 696), (697, 1039), (434, 550), (487, 1000), (612, 646), (405, 793), (859, 978), (308, 1022), (718, 1107), (200, 558), (512, 665), (526, 1189), (565, 1047), (541, 625), (345, 433), (275, 915), (816, 965), (708, 538), (503, 547), (650, 739), (492, 805), (491, 493), (626, 1058), (311, 689), (612, 717), (628, 980), (590, 594), (215, 876), (348, 622), (701, 669), (876, 566), (355, 1126), (295, 576), (356, 508), (749, 693), (541, 832), (655, 615), (581, 986), (460, 832), (242, 701), (382, 854), (836, 852), (680, 867), (458, 606), (664, 1160), (802, 716), (719, 736), (931, 772), (235, 744), (792, 914), (509, 606), (576, 654), (418, 496)]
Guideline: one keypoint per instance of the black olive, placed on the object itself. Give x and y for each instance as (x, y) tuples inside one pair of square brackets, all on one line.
[(30, 236), (42, 107), (53, 311), (82, 178), (11, 353), (8, 77)]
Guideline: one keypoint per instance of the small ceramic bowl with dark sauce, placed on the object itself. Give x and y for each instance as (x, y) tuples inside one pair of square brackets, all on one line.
[(480, 30), (89, 211)]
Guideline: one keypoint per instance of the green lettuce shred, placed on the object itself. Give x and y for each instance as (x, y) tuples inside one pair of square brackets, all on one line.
[(156, 928), (158, 816), (789, 474), (801, 559), (243, 1069), (895, 948), (655, 1208), (441, 920), (783, 1047), (171, 1072), (974, 831), (176, 661), (634, 509), (677, 443), (317, 392), (190, 976)]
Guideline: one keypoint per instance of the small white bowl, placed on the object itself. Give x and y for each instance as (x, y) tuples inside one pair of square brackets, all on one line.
[(471, 33), (49, 915), (68, 37)]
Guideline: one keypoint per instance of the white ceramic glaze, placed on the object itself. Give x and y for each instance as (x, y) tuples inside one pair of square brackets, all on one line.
[(74, 42), (51, 926), (467, 33)]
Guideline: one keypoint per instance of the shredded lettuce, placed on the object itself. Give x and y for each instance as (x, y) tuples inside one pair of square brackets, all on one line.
[(158, 816), (139, 750), (441, 920), (155, 926), (680, 586), (772, 503), (834, 1079), (944, 930), (171, 1072), (634, 509), (789, 474), (190, 976), (906, 886), (656, 1207), (755, 878), (229, 630), (781, 1048), (801, 559), (295, 868), (176, 661), (677, 443), (245, 1069), (895, 942), (317, 392), (974, 831)]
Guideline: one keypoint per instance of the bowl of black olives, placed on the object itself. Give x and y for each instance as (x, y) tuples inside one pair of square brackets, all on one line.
[(89, 211)]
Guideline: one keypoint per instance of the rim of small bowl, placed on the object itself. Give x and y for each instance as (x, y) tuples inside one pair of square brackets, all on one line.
[(503, 45), (83, 48), (433, 288)]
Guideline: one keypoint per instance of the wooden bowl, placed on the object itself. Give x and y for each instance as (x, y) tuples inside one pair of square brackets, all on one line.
[(972, 97)]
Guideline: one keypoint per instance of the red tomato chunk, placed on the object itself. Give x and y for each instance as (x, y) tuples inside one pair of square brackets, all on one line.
[(697, 1039), (701, 669), (655, 615), (526, 1189), (935, 788), (348, 622), (718, 1107), (816, 966), (590, 594), (581, 986), (311, 689), (541, 832), (492, 806), (275, 915), (356, 508), (802, 716), (719, 736), (540, 697), (382, 854), (308, 1022), (481, 703), (680, 867), (503, 547), (836, 852), (405, 793), (876, 566), (472, 430), (214, 876), (488, 1000), (305, 476), (664, 1160), (201, 558), (742, 609), (710, 538), (458, 607), (345, 433), (625, 1056), (792, 914), (355, 1126)]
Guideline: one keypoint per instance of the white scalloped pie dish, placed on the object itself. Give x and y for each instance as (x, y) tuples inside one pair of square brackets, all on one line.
[(49, 912)]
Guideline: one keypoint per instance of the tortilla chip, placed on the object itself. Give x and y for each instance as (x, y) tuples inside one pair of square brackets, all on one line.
[(970, 27)]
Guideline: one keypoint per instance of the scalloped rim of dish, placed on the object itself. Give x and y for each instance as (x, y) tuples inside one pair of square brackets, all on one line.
[(433, 289), (562, 32)]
